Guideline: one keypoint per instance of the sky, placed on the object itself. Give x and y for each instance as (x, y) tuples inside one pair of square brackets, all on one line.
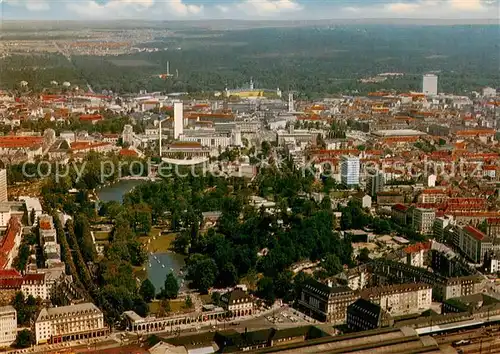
[(247, 9)]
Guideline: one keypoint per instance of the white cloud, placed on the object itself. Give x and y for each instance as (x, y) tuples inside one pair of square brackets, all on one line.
[(430, 9), (467, 5), (181, 9), (268, 7), (402, 7), (223, 9), (30, 5)]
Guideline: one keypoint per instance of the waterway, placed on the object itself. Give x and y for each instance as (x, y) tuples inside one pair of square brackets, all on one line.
[(158, 264), (116, 191)]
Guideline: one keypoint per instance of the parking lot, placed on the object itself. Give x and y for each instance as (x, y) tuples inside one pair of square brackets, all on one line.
[(289, 316)]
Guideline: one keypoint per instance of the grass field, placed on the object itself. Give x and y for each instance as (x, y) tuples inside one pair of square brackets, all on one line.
[(140, 273), (176, 306), (206, 299), (158, 242), (101, 235)]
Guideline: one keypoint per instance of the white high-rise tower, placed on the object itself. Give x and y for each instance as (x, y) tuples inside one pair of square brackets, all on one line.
[(349, 171), (430, 84), (291, 107), (178, 119), (3, 185)]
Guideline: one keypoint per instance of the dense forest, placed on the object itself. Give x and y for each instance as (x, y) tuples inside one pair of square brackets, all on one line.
[(312, 61)]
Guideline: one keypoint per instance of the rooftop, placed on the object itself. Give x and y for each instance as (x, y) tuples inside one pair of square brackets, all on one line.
[(476, 233), (397, 133)]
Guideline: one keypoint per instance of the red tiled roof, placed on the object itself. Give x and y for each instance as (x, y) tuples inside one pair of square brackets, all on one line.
[(45, 225), (14, 283), (85, 145), (9, 274), (477, 234), (7, 243), (90, 117), (400, 207), (421, 246), (13, 142), (128, 152), (31, 278), (433, 191), (476, 132)]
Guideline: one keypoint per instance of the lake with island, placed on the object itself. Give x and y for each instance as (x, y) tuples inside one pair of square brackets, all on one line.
[(158, 264)]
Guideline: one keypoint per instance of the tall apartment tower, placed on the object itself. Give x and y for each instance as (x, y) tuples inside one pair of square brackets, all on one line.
[(375, 183), (349, 171), (291, 104), (430, 84), (178, 119), (3, 185)]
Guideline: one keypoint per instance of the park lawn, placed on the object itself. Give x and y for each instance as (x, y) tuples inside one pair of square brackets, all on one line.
[(101, 235), (206, 299), (160, 244), (140, 273), (176, 306)]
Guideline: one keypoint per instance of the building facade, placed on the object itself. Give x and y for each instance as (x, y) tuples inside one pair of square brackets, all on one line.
[(8, 326), (430, 84), (237, 302), (400, 299), (423, 220), (3, 185), (34, 284), (349, 171), (375, 183), (61, 324), (325, 302), (363, 315), (475, 244)]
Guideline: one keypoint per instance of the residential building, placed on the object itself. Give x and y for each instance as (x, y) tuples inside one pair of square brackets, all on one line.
[(8, 326), (390, 198), (489, 92), (349, 171), (34, 284), (430, 84), (423, 220), (415, 254), (440, 225), (375, 183), (399, 213), (363, 315), (475, 244), (61, 324), (433, 195), (400, 299), (364, 199), (355, 278), (326, 302), (385, 271), (32, 204), (12, 237), (237, 302), (469, 303), (463, 286)]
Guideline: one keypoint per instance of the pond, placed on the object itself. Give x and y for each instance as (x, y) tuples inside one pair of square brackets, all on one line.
[(116, 191), (160, 264)]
